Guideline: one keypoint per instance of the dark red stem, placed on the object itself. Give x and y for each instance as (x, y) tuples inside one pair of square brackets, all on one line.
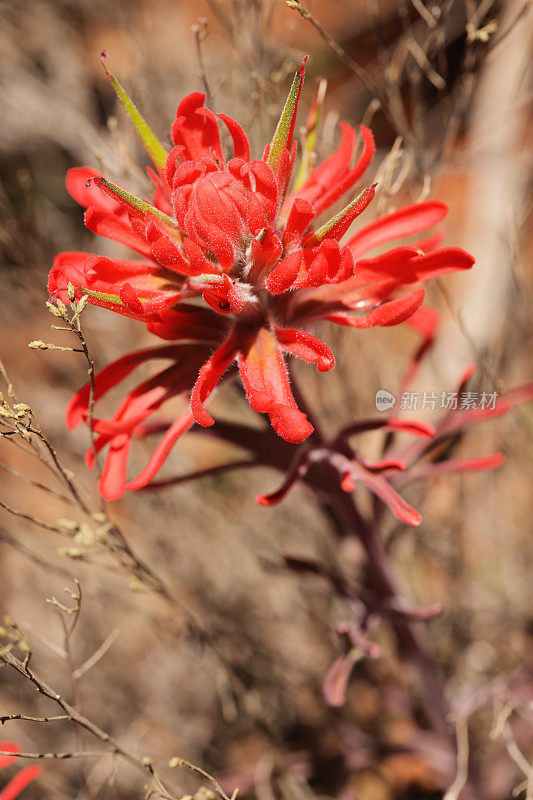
[(382, 579)]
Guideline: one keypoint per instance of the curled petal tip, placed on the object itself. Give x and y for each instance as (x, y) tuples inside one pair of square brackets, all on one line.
[(104, 54), (347, 483)]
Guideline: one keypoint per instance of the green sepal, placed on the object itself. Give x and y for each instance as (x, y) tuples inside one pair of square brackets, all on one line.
[(153, 146), (111, 298), (108, 298), (285, 128), (136, 202), (328, 226)]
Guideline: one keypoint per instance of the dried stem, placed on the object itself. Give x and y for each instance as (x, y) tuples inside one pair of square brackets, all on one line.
[(113, 746), (200, 35)]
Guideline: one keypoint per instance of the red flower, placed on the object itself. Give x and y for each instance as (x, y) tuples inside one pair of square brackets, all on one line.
[(235, 235), (17, 784), (400, 465)]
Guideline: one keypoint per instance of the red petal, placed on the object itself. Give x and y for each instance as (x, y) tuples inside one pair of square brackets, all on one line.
[(332, 169), (431, 242), (161, 197), (106, 276), (351, 177), (307, 347), (266, 382), (117, 228), (474, 464), (393, 312), (11, 747), (425, 321), (112, 483), (130, 299), (336, 681), (188, 322), (386, 464), (196, 129), (385, 492), (89, 195), (259, 178), (241, 147), (284, 273), (297, 471), (404, 425), (19, 782), (456, 420), (266, 250), (403, 222), (161, 452), (300, 216), (113, 374), (208, 378)]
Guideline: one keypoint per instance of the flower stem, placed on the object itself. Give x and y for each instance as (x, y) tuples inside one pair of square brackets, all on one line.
[(386, 587), (410, 641), (382, 578)]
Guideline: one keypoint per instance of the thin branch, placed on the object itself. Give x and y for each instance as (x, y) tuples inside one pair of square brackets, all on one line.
[(144, 764), (463, 752), (74, 324), (337, 49), (36, 484), (200, 35), (425, 65), (60, 468), (29, 518), (97, 655), (59, 756), (425, 13), (9, 717), (35, 557)]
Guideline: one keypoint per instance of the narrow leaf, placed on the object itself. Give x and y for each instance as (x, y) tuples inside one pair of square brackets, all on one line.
[(132, 200), (285, 128), (153, 146), (335, 227)]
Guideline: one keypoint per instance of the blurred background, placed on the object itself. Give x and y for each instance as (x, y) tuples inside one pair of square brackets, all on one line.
[(446, 88)]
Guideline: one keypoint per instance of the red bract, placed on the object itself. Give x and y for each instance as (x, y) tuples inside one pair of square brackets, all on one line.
[(404, 464), (237, 266), (17, 784)]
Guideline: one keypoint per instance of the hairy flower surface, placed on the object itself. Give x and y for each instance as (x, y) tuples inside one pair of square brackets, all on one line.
[(236, 267)]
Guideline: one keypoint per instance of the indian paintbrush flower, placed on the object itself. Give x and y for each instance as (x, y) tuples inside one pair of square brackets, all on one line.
[(236, 264)]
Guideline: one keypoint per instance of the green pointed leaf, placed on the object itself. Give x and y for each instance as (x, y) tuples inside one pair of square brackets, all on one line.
[(110, 298), (136, 202), (285, 128), (107, 298), (153, 146), (328, 226)]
